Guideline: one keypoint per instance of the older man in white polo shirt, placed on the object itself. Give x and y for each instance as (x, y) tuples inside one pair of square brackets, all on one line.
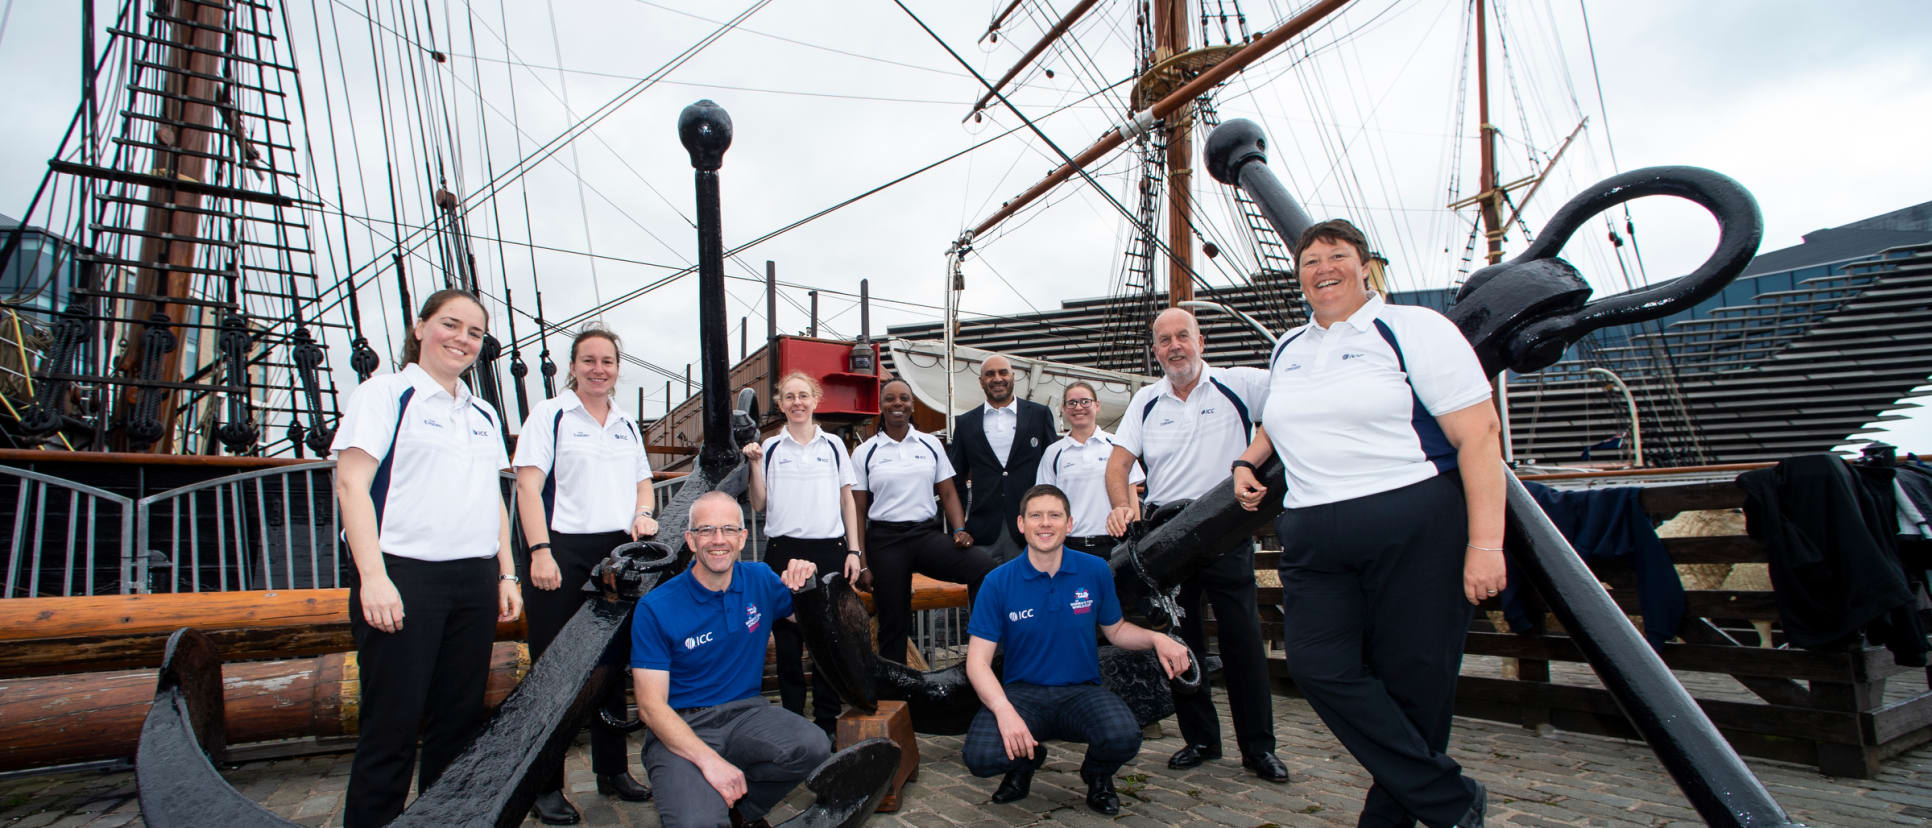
[(1187, 429)]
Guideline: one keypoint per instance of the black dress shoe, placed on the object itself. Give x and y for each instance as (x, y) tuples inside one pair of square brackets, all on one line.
[(1019, 781), (1266, 766), (1100, 795), (1192, 756), (553, 809), (1473, 818), (623, 786)]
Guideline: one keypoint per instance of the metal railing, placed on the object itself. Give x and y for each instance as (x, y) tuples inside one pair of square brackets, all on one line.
[(275, 528), (81, 536)]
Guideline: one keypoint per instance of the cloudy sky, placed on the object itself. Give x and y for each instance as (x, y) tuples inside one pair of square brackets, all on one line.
[(1822, 110)]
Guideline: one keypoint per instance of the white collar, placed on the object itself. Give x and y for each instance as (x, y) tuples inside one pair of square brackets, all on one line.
[(1362, 319), (1012, 406), (1098, 434), (785, 432), (428, 384), (1164, 387), (883, 437)]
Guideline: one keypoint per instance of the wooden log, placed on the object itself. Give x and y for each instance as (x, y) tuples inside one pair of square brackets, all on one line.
[(51, 636), (927, 594), (86, 717)]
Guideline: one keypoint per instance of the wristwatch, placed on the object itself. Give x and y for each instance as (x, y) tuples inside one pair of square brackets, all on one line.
[(1243, 464), (511, 578)]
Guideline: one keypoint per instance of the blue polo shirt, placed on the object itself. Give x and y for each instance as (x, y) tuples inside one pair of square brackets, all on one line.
[(712, 643), (1046, 624)]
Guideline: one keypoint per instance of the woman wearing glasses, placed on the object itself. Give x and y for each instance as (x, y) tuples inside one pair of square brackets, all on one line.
[(583, 488), (899, 470), (801, 478), (1078, 465)]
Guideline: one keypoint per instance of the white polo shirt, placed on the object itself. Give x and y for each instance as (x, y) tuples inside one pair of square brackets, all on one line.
[(591, 471), (900, 475), (1080, 470), (1189, 445), (1352, 408), (436, 490), (802, 482), (1000, 423)]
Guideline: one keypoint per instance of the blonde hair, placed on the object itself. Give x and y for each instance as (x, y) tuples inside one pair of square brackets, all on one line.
[(817, 392)]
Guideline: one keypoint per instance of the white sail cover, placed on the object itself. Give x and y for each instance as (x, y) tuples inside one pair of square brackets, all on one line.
[(922, 364)]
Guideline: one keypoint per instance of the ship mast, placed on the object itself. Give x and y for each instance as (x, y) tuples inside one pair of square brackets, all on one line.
[(1170, 39), (1491, 196)]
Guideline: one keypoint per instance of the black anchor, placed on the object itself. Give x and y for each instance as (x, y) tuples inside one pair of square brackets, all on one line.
[(1520, 315), (490, 783)]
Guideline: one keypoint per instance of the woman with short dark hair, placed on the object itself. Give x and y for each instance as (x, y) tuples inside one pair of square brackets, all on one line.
[(1392, 523)]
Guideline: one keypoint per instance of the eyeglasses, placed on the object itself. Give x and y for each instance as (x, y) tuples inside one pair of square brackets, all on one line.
[(716, 531), (1080, 403)]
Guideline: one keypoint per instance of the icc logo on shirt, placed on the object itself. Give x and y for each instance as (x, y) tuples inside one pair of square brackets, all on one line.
[(1015, 616), (692, 643)]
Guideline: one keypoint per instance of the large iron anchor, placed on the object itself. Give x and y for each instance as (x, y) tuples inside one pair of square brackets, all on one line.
[(1520, 315)]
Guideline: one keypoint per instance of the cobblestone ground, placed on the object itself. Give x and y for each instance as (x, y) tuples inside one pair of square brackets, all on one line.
[(1562, 779)]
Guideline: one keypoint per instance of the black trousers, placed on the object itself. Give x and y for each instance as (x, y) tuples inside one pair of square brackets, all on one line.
[(428, 676), (829, 555), (549, 610), (1375, 625), (1228, 587), (894, 551), (1099, 546)]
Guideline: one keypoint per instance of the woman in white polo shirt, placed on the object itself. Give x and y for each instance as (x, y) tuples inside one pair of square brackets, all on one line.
[(1077, 463), (1392, 529), (583, 488), (417, 459), (801, 478), (898, 471)]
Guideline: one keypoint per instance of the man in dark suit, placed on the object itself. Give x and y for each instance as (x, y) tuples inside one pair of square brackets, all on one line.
[(996, 449)]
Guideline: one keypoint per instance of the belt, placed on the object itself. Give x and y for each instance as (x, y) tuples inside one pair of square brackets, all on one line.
[(1090, 540), (901, 524)]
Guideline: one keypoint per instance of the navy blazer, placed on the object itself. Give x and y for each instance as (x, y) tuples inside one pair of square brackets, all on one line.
[(993, 488)]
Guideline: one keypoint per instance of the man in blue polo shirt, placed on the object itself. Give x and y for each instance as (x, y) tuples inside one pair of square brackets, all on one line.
[(1042, 609), (715, 746)]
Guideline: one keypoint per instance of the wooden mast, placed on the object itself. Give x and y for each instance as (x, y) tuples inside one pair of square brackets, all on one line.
[(1170, 39), (1491, 195)]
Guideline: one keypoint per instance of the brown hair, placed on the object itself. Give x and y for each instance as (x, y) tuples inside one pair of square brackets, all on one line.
[(412, 348), (800, 375), (589, 332), (1045, 490), (1080, 384), (1333, 231)]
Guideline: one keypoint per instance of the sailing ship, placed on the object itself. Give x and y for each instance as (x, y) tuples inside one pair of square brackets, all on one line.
[(188, 297)]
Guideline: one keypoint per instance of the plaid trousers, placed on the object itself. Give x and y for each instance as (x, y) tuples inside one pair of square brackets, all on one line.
[(1086, 713)]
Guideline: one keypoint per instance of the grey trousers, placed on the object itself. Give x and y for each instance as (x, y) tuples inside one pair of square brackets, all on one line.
[(774, 747)]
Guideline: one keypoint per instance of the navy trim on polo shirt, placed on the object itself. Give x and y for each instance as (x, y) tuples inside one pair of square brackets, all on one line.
[(1435, 444), (379, 485)]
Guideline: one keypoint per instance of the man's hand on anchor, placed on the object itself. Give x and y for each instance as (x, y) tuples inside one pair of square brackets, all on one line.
[(1248, 491), (725, 777), (797, 573), (1119, 518), (1173, 655)]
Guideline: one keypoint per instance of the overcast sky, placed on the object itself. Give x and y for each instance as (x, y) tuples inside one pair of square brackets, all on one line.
[(1823, 110)]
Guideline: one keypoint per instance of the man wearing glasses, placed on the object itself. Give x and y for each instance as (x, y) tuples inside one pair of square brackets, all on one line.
[(716, 751)]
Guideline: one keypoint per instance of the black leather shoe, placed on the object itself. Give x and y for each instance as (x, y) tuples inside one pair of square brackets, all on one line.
[(1473, 818), (1192, 756), (1266, 766), (1101, 798), (553, 809), (623, 786), (1019, 781)]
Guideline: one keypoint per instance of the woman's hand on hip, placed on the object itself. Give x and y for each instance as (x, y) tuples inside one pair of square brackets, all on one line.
[(543, 570), (1483, 574), (382, 605)]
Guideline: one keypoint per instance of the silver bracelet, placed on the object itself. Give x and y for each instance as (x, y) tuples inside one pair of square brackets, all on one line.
[(1483, 548)]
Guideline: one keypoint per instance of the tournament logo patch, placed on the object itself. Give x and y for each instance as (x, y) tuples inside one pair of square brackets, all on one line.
[(752, 618), (1082, 602)]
